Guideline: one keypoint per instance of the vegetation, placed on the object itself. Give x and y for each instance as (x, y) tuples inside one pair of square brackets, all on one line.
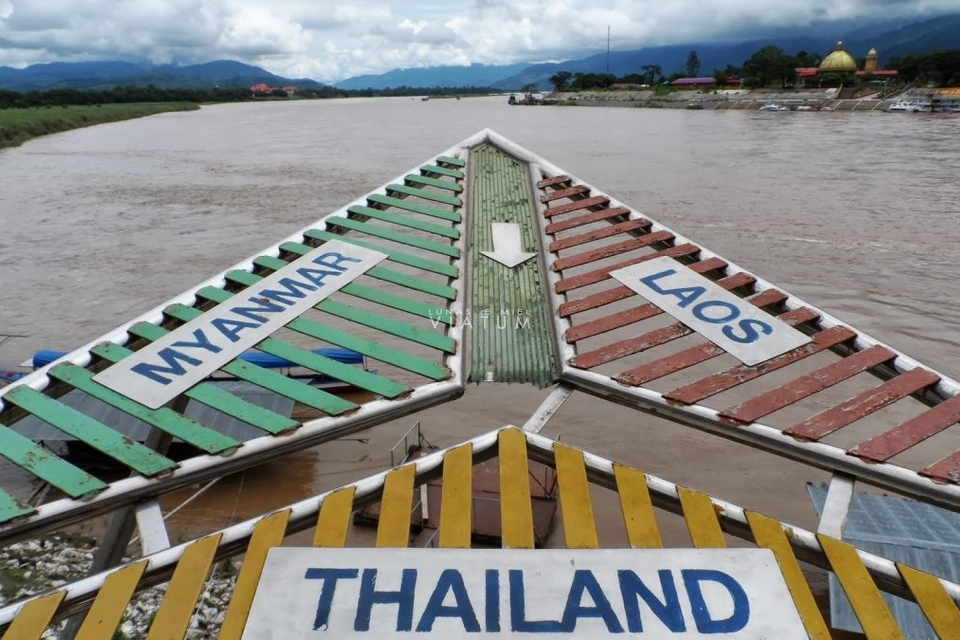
[(18, 125), (772, 67)]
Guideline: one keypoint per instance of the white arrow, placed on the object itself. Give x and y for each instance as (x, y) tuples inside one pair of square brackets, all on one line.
[(507, 245)]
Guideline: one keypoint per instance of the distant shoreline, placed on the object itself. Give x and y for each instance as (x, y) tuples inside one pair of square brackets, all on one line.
[(720, 99), (20, 125)]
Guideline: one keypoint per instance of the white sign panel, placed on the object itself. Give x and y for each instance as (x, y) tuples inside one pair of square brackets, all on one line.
[(166, 368), (732, 323), (387, 594)]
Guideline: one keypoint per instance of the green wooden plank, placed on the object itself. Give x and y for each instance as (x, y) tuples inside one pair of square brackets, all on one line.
[(415, 207), (387, 275), (397, 256), (10, 508), (370, 319), (370, 349), (87, 430), (248, 412), (405, 221), (209, 394), (19, 450), (313, 361), (165, 419), (456, 162), (398, 302), (437, 183), (426, 195), (388, 325), (442, 171), (393, 236)]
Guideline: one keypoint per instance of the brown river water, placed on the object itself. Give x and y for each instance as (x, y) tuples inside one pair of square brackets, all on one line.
[(857, 213)]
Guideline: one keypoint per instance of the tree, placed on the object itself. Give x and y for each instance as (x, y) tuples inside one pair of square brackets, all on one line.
[(560, 79), (693, 65), (653, 73), (768, 65)]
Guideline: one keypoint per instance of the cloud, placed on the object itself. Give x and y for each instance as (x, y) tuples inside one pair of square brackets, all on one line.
[(331, 41)]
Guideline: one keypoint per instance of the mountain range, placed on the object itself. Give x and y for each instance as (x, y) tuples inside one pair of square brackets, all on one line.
[(892, 39)]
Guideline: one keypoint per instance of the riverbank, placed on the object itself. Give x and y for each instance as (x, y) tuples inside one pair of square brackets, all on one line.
[(802, 100), (19, 125)]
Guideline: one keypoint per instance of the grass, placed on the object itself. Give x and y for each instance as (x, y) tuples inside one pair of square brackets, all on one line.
[(19, 125)]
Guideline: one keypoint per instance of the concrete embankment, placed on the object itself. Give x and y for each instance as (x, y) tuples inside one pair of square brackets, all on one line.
[(720, 99)]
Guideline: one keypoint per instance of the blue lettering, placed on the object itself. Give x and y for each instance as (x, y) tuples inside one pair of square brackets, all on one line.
[(292, 287), (699, 311), (668, 611), (315, 276), (172, 358), (492, 594), (686, 295), (230, 328), (329, 577), (201, 343), (333, 259), (701, 614), (369, 596), (584, 580), (449, 581), (253, 313), (518, 609), (749, 333), (651, 280)]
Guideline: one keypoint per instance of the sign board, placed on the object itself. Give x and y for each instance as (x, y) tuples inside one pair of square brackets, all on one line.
[(733, 324), (491, 593), (166, 368)]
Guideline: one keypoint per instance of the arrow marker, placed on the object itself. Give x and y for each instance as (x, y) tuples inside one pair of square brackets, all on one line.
[(507, 245)]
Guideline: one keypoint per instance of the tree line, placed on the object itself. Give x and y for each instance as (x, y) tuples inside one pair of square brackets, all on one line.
[(150, 93), (771, 66)]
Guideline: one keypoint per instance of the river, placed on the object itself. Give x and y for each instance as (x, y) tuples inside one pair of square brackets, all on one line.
[(856, 213)]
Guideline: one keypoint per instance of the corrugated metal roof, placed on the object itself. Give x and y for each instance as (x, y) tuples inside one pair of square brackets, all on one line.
[(917, 534), (510, 339)]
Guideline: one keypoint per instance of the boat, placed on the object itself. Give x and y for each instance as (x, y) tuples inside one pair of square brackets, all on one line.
[(774, 107), (911, 105)]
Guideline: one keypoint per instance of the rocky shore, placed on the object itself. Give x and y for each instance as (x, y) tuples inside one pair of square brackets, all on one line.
[(35, 566), (803, 100)]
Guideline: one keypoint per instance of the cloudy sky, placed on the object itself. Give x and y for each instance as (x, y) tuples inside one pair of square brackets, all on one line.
[(331, 40)]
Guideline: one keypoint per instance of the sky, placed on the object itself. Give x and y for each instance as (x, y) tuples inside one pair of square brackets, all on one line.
[(332, 40)]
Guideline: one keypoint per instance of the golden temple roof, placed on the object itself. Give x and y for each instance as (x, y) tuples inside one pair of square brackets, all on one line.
[(839, 60)]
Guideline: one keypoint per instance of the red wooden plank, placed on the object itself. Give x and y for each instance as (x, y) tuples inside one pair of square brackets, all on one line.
[(712, 385), (625, 348), (611, 322), (636, 314), (946, 470), (619, 293), (669, 364), (595, 300), (555, 180), (593, 216), (586, 203), (565, 193), (696, 354), (599, 275), (775, 399), (611, 250), (598, 234), (912, 432), (825, 423)]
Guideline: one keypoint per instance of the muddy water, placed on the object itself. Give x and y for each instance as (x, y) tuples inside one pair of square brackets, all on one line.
[(856, 213)]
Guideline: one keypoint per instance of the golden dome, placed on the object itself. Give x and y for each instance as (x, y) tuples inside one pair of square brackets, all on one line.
[(872, 52), (839, 60)]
